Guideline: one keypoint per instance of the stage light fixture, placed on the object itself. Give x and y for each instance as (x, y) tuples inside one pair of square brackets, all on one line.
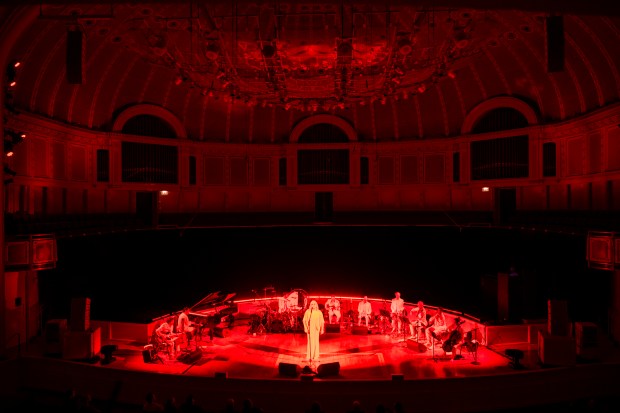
[(11, 72)]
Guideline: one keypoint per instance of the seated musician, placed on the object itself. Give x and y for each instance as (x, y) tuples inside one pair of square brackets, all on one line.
[(184, 326), (438, 326), (333, 309), (417, 320), (397, 308), (166, 335), (364, 310), (455, 337), (292, 301)]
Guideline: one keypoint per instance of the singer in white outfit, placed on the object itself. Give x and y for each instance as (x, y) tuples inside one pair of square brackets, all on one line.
[(397, 307), (314, 326), (364, 310)]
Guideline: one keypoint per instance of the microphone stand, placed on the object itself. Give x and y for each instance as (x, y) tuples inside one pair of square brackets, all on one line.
[(475, 343)]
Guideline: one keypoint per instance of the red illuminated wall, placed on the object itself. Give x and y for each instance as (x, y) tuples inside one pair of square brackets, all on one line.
[(56, 169)]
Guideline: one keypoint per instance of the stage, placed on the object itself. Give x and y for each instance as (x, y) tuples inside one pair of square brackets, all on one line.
[(271, 369)]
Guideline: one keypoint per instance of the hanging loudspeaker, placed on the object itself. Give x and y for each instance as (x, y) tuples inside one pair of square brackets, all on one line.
[(75, 57), (555, 43)]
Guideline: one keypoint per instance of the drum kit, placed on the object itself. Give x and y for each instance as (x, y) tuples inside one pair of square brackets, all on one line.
[(288, 316)]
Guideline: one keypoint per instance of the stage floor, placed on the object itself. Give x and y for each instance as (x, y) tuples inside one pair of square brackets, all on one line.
[(361, 357), (374, 368)]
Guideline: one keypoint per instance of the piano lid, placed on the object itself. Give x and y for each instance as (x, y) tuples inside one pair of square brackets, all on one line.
[(212, 300)]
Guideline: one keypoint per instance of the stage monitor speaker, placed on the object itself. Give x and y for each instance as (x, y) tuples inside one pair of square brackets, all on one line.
[(328, 369), (332, 328), (554, 26), (191, 357), (288, 370), (360, 330), (107, 352), (221, 332), (75, 57), (146, 356), (416, 346)]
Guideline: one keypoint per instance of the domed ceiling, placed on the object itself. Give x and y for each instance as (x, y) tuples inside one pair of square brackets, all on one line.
[(243, 71)]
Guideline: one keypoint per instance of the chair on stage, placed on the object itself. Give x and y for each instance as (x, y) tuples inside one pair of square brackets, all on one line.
[(470, 345)]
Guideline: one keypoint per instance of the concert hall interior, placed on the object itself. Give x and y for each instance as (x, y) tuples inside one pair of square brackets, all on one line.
[(184, 179)]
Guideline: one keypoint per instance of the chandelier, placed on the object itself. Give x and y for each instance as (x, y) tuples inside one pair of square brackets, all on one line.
[(320, 58)]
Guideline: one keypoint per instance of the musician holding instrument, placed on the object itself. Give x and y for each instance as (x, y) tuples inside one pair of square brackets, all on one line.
[(166, 335), (417, 321), (437, 326), (333, 309), (184, 326), (364, 310), (455, 337), (397, 308)]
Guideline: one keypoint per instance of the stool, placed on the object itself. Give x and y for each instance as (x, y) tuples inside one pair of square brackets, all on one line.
[(107, 351), (515, 356)]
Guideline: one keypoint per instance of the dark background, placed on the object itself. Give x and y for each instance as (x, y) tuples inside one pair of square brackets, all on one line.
[(136, 276)]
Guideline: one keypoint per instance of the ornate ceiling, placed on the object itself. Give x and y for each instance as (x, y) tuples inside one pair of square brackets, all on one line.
[(415, 68)]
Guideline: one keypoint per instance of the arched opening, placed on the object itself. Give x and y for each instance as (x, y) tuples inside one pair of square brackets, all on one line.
[(149, 125), (500, 119), (323, 133), (323, 166)]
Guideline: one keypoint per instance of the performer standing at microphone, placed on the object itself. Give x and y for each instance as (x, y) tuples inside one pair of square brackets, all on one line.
[(364, 310), (397, 308), (314, 326)]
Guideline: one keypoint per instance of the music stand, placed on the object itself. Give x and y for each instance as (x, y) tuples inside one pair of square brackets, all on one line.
[(475, 342)]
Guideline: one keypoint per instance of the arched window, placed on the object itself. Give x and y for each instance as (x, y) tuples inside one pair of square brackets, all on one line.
[(148, 162), (323, 166), (500, 157), (148, 125), (323, 133), (500, 119)]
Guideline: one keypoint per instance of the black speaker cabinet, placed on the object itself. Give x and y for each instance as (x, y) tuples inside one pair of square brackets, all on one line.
[(328, 370), (75, 57), (191, 357), (288, 370), (146, 356), (360, 330), (416, 346), (332, 328), (107, 351), (555, 43), (221, 332)]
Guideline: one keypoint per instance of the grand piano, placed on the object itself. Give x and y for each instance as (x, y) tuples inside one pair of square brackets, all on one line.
[(215, 311)]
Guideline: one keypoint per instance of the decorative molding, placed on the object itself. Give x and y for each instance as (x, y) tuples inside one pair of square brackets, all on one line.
[(495, 103), (318, 119), (153, 110)]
